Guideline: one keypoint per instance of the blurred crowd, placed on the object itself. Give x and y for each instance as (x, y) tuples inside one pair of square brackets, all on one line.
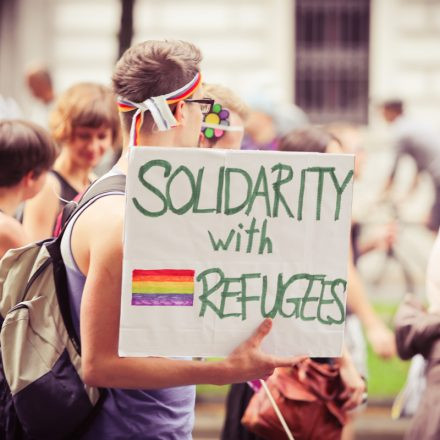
[(51, 152)]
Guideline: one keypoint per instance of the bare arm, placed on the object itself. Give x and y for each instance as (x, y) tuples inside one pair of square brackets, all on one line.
[(12, 235), (380, 337), (41, 211), (101, 259), (353, 381)]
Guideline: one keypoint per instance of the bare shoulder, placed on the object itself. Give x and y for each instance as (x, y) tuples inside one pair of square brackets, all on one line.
[(12, 234), (41, 211), (50, 191), (98, 232), (105, 213)]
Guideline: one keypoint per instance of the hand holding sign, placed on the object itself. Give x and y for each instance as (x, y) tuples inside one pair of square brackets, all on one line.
[(249, 362)]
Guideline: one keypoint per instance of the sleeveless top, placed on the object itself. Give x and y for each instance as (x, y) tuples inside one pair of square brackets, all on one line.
[(68, 192), (166, 413)]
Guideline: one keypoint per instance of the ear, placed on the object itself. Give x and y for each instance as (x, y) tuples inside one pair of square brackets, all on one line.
[(28, 179), (203, 142), (180, 112)]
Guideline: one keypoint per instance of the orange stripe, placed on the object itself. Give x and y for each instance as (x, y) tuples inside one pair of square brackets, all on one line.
[(187, 93), (125, 108)]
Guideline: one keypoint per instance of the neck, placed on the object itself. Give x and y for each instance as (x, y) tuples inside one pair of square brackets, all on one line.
[(160, 139), (10, 199), (71, 170)]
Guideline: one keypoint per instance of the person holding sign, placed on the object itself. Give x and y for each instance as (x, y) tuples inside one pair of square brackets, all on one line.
[(161, 100), (316, 140)]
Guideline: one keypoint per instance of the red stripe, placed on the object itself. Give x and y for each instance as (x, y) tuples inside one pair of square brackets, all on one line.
[(137, 130), (163, 278), (187, 93), (126, 107), (164, 272)]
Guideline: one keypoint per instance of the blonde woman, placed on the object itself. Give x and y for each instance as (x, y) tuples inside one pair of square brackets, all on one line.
[(84, 124)]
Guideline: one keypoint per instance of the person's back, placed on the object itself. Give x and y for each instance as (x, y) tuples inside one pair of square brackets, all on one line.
[(26, 153)]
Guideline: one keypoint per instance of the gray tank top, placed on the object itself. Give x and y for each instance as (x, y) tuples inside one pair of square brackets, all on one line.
[(162, 414)]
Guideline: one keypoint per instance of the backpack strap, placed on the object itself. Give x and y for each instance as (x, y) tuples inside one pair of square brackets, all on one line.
[(115, 183)]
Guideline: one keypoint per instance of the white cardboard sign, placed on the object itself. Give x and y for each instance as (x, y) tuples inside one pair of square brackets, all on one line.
[(216, 240)]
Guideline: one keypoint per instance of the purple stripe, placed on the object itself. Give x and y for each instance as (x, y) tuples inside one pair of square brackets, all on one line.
[(162, 299)]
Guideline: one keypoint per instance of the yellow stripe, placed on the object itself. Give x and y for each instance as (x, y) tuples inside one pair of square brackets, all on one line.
[(148, 287)]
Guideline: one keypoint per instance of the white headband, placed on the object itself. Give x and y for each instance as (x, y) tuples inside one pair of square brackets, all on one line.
[(158, 107)]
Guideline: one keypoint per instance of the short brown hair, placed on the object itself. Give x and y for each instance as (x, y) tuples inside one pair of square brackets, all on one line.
[(227, 98), (154, 68), (395, 105), (24, 147), (84, 105), (308, 139)]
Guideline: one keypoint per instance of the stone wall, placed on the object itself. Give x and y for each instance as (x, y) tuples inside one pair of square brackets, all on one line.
[(405, 54)]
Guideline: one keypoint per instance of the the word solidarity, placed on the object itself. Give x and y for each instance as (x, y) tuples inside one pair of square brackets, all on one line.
[(270, 185)]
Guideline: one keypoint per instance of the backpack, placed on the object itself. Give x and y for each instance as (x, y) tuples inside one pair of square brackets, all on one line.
[(42, 395)]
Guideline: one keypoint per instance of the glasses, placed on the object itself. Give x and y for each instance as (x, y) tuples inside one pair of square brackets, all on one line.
[(205, 103)]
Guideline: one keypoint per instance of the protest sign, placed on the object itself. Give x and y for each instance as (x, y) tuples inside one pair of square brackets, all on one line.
[(217, 240)]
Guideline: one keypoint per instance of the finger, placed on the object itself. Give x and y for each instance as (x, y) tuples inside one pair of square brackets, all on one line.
[(261, 332), (350, 403), (345, 394), (298, 359), (354, 400), (289, 361), (348, 392), (266, 376)]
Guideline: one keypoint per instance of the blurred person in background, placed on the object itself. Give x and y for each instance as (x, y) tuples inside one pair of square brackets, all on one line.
[(269, 120), (39, 82), (223, 126), (27, 153), (85, 124), (311, 140), (418, 337), (359, 308), (378, 334), (420, 141)]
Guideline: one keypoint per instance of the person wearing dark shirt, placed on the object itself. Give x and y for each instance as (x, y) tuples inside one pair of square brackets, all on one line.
[(85, 124), (420, 141)]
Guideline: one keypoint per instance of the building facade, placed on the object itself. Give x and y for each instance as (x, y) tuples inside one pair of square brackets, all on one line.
[(333, 57)]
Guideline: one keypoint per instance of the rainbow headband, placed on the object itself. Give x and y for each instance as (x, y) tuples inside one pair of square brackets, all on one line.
[(158, 107)]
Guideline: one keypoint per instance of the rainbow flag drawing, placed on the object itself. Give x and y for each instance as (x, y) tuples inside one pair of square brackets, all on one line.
[(162, 287)]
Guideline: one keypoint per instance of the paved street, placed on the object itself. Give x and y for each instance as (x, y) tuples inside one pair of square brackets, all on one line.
[(373, 424)]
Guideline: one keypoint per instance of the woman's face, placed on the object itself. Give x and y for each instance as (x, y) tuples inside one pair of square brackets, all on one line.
[(89, 144)]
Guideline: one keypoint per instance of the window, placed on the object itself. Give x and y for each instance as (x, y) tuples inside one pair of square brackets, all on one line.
[(331, 59)]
